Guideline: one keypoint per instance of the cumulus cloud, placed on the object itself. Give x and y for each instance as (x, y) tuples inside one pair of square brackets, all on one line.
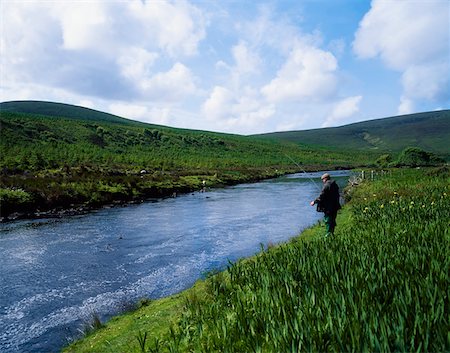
[(342, 111), (171, 86), (106, 49), (246, 60), (276, 71), (177, 27), (308, 73), (141, 112), (406, 106), (230, 109), (413, 38)]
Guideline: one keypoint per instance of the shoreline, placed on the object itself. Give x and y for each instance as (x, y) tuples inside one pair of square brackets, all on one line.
[(157, 193)]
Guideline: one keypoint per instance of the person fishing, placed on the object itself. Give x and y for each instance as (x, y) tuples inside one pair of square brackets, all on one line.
[(328, 203)]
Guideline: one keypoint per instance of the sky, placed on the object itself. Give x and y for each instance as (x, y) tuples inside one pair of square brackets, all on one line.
[(242, 67)]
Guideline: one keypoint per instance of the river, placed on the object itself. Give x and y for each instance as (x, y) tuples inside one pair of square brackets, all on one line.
[(56, 272)]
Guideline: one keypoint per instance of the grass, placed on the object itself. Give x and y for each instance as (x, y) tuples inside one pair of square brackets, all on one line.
[(88, 161), (380, 284), (428, 131)]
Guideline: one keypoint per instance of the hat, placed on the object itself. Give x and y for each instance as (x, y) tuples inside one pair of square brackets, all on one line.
[(325, 176)]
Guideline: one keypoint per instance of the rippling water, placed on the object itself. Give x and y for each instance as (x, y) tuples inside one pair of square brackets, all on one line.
[(56, 272)]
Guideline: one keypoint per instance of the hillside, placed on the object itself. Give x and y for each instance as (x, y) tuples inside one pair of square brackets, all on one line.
[(51, 109), (56, 155), (429, 131), (42, 135)]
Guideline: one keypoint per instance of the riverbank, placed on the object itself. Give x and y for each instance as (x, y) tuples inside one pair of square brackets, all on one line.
[(378, 284), (72, 192), (61, 193)]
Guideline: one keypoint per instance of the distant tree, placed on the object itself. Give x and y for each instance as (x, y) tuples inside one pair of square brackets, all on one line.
[(416, 157), (97, 140)]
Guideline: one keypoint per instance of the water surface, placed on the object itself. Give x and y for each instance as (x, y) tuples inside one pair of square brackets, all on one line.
[(56, 272)]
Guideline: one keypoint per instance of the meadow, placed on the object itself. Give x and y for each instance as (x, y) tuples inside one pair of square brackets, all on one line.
[(380, 284), (50, 163)]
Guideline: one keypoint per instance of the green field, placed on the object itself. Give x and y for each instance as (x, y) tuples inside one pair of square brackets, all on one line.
[(57, 156), (58, 159), (380, 284)]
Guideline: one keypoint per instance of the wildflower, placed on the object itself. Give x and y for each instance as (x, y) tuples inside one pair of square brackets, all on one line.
[(432, 203), (374, 195), (392, 202), (412, 202), (382, 206)]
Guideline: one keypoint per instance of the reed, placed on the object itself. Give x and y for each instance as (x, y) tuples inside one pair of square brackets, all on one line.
[(381, 284)]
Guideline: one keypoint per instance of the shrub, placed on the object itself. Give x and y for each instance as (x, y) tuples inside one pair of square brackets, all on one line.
[(416, 157), (12, 200)]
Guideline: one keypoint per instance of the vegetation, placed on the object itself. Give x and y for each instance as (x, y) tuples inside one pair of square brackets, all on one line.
[(429, 131), (76, 157), (380, 284), (416, 157)]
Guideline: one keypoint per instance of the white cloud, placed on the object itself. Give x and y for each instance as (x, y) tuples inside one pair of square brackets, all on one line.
[(294, 75), (136, 63), (230, 110), (218, 105), (105, 49), (141, 112), (308, 73), (171, 86), (84, 25), (86, 103), (428, 81), (406, 106), (413, 38), (342, 111), (176, 26), (246, 61)]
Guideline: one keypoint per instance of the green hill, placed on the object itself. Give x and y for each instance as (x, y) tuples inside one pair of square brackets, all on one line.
[(59, 134), (429, 131), (52, 109), (58, 155)]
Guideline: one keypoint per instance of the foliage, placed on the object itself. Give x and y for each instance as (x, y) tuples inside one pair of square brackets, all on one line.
[(384, 160), (381, 284), (415, 157), (14, 199), (378, 285), (92, 161)]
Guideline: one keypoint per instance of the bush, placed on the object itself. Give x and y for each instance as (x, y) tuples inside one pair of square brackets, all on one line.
[(11, 200), (416, 157)]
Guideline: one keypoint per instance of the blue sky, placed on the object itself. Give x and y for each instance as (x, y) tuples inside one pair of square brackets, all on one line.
[(231, 66)]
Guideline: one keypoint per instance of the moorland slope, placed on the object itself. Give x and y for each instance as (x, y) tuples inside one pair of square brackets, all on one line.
[(429, 131)]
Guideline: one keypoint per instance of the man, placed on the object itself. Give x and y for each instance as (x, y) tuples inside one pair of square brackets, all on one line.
[(328, 202)]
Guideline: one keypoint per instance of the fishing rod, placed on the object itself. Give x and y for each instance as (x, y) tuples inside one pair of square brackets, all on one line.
[(301, 169)]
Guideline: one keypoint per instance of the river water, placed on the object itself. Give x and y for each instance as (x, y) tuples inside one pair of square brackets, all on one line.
[(56, 272)]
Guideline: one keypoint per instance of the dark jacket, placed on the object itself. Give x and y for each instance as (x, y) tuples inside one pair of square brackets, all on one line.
[(328, 200)]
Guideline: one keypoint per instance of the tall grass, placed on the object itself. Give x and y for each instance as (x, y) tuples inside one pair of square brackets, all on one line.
[(381, 284)]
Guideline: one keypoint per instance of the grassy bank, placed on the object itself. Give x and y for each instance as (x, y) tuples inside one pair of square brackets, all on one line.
[(53, 163), (380, 284)]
